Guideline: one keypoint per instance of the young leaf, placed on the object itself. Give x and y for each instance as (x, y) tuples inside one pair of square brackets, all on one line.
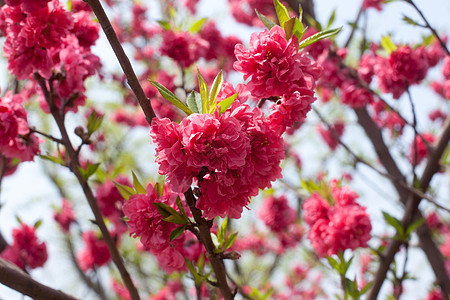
[(387, 44), (69, 5), (214, 91), (266, 21), (197, 25), (124, 190), (394, 222), (168, 95), (53, 159), (194, 102), (224, 224), (176, 232), (181, 208), (37, 224), (333, 263), (165, 210), (224, 104), (230, 240), (300, 13), (137, 185), (366, 288), (177, 219), (331, 19), (409, 20), (318, 36), (293, 27), (416, 224), (282, 12), (203, 92), (94, 122), (164, 24)]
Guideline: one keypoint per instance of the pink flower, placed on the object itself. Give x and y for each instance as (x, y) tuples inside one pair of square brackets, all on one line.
[(85, 29), (26, 250), (272, 63), (65, 216), (183, 48), (372, 3), (244, 11), (277, 214), (387, 81), (409, 65), (28, 5), (419, 149), (15, 138), (354, 95), (95, 253), (345, 225), (329, 137)]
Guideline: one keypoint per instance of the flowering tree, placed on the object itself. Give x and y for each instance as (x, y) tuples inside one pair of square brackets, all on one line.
[(232, 208)]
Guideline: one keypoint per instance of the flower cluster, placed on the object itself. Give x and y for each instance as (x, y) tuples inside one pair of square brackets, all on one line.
[(46, 39), (146, 222), (65, 216), (16, 140), (277, 69), (277, 214), (230, 156), (94, 254), (26, 250), (338, 222)]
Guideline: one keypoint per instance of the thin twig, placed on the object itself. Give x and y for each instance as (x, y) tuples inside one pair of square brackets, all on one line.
[(429, 26), (34, 130), (74, 167)]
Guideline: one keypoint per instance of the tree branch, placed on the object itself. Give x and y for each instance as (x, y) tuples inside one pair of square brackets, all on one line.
[(205, 237), (133, 81), (13, 277), (74, 167)]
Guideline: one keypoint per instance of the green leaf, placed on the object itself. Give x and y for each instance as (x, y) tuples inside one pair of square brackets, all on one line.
[(293, 27), (282, 12), (165, 210), (215, 240), (197, 25), (137, 185), (410, 21), (18, 219), (331, 19), (366, 288), (168, 95), (416, 224), (89, 170), (203, 92), (57, 160), (176, 232), (164, 24), (224, 104), (300, 13), (333, 263), (37, 224), (318, 36), (394, 222), (313, 22), (214, 91), (197, 277), (159, 188), (194, 102), (387, 44), (266, 21), (181, 208), (124, 190), (177, 219), (230, 240), (224, 224), (69, 5), (94, 122)]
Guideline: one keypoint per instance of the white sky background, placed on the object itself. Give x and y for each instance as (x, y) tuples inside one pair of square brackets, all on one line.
[(29, 194)]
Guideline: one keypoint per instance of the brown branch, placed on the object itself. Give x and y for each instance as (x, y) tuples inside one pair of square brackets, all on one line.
[(3, 243), (74, 167), (411, 214), (133, 81), (205, 237), (13, 277)]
